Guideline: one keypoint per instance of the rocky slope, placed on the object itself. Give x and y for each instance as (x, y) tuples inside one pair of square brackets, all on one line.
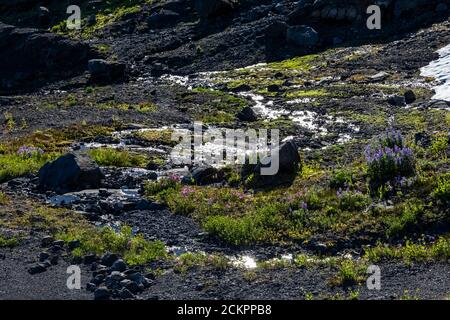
[(87, 176)]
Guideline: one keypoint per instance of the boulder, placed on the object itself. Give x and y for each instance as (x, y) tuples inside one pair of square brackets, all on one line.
[(302, 36), (70, 172), (164, 18), (105, 71), (213, 8)]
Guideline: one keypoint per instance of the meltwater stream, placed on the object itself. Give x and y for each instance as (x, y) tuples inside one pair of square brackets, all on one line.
[(440, 70)]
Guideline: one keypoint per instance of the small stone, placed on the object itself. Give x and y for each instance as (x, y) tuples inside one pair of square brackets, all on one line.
[(119, 265), (410, 96), (102, 293), (43, 256), (91, 287)]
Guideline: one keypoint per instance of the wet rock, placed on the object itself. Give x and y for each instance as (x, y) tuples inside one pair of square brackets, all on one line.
[(71, 172), (396, 100), (119, 265), (247, 115), (302, 36), (109, 258), (102, 293), (38, 268), (213, 8), (105, 71), (410, 96)]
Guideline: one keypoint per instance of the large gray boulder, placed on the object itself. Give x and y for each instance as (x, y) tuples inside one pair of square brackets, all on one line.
[(302, 36), (70, 172), (212, 8)]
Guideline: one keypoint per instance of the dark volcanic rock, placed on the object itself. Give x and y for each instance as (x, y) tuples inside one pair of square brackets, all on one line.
[(211, 8), (71, 172)]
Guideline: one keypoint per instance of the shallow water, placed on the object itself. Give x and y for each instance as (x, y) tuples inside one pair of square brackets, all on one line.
[(440, 69)]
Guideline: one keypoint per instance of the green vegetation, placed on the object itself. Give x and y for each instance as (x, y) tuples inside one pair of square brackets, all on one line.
[(117, 158)]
